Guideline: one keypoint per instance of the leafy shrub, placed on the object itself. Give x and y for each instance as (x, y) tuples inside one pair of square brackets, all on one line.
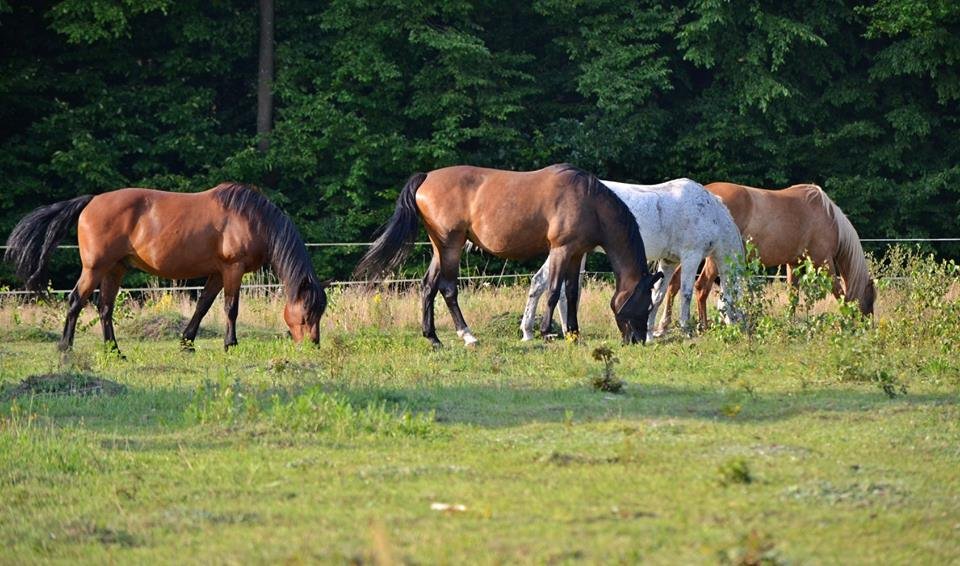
[(607, 380)]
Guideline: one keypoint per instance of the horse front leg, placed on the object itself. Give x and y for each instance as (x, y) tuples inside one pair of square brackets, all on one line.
[(688, 266), (671, 292), (570, 300), (660, 290), (232, 278), (562, 304), (210, 290), (557, 271), (537, 287)]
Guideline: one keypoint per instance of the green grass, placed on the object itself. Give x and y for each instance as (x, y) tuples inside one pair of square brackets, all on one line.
[(797, 446)]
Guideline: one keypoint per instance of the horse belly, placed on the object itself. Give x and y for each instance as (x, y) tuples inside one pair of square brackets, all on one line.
[(511, 238), (176, 252)]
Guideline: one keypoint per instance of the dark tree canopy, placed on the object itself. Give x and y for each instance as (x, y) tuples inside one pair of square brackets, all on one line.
[(859, 97)]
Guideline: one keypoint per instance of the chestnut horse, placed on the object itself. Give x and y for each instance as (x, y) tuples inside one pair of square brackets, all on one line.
[(559, 210), (220, 234), (787, 225)]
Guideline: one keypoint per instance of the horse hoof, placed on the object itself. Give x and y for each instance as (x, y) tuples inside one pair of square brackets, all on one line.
[(187, 346)]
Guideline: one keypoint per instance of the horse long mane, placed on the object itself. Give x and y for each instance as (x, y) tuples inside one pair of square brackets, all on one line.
[(850, 259), (622, 219), (286, 252)]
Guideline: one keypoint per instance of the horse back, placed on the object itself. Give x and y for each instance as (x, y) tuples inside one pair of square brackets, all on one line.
[(515, 215), (783, 224), (178, 235)]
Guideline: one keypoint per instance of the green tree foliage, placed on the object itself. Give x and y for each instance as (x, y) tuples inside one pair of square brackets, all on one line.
[(861, 99)]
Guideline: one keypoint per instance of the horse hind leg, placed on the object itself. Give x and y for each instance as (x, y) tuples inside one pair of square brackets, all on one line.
[(730, 292), (538, 285), (449, 273), (688, 267), (109, 288), (429, 290), (86, 284), (703, 286)]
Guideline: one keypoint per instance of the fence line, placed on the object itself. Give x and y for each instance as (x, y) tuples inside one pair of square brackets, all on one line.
[(500, 276), (367, 244), (280, 286)]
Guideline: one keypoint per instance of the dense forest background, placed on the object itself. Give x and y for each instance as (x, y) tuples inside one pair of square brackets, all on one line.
[(859, 97)]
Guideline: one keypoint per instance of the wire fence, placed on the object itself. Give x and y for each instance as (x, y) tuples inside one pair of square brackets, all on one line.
[(404, 281), (366, 244)]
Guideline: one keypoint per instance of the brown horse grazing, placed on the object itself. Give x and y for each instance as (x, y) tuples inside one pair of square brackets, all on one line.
[(787, 225), (559, 210), (220, 234)]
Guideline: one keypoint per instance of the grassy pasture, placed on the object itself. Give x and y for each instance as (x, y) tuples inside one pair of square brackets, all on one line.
[(815, 441)]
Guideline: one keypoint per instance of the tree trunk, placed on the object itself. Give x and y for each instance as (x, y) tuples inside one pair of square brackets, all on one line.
[(265, 77)]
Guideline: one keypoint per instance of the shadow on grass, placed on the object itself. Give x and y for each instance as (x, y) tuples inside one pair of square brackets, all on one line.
[(492, 406), (495, 407)]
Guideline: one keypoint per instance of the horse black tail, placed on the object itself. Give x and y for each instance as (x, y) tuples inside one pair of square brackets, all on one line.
[(396, 236), (34, 238)]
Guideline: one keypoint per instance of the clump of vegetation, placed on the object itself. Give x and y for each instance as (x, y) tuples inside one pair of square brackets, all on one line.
[(735, 471), (813, 283), (754, 549), (607, 380), (864, 362), (753, 303)]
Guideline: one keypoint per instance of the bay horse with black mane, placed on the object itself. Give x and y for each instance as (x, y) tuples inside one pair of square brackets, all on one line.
[(559, 210), (219, 234)]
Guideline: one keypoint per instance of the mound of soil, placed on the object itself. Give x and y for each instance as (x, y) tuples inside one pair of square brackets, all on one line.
[(28, 334), (166, 325), (154, 326), (79, 384)]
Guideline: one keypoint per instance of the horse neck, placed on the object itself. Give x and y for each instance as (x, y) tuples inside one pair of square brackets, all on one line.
[(290, 261), (850, 259), (626, 254)]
